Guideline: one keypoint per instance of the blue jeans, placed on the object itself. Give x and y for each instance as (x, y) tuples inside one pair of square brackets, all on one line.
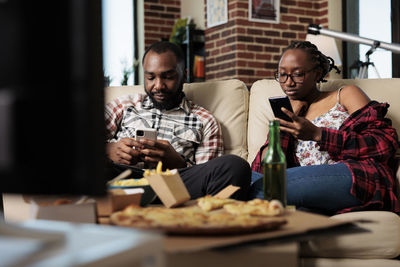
[(318, 188)]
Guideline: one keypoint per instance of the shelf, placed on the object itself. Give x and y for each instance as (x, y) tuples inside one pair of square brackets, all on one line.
[(193, 46)]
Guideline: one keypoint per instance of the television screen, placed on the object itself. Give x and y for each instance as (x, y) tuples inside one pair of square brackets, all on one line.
[(51, 97)]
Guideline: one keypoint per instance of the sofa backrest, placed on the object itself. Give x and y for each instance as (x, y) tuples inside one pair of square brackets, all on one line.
[(382, 90), (227, 100)]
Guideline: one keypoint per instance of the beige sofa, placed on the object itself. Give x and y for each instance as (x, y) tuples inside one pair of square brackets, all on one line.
[(243, 116)]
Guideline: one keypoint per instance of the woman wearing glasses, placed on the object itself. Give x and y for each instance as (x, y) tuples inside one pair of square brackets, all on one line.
[(339, 148)]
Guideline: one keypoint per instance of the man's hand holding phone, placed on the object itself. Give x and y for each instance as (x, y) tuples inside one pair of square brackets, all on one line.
[(161, 150), (128, 150), (144, 148), (122, 152), (152, 150)]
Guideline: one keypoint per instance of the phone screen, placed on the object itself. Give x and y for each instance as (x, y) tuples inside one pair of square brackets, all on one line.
[(277, 103)]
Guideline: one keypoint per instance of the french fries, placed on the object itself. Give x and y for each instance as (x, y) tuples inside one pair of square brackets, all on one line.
[(157, 170), (131, 182), (142, 181)]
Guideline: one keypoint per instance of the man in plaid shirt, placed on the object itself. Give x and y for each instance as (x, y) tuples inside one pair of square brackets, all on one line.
[(188, 136)]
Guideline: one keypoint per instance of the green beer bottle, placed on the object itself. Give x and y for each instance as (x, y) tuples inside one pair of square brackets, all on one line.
[(274, 166)]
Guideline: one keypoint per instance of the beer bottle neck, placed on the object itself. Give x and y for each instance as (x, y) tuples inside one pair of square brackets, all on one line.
[(274, 137)]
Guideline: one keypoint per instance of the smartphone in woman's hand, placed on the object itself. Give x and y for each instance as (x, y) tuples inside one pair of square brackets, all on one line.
[(277, 102)]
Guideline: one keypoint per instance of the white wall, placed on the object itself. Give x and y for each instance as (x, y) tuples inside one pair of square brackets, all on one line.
[(335, 23), (194, 9)]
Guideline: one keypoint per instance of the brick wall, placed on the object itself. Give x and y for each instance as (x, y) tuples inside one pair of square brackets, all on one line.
[(159, 19), (250, 51), (240, 49)]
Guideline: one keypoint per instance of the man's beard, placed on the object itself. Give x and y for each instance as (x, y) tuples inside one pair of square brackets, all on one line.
[(173, 101)]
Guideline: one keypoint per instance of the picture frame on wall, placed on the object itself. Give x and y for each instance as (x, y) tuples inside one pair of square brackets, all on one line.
[(264, 11), (217, 12)]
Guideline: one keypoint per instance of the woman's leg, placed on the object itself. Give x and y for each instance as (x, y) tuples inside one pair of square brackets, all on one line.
[(319, 188), (256, 189)]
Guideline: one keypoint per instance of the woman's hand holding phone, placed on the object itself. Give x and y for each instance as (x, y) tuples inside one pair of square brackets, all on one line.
[(277, 103), (300, 127)]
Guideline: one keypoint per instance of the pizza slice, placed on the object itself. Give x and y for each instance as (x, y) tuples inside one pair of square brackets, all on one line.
[(256, 207), (208, 203)]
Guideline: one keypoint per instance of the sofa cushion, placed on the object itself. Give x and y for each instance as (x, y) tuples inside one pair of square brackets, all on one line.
[(227, 100), (116, 91), (381, 241), (260, 113)]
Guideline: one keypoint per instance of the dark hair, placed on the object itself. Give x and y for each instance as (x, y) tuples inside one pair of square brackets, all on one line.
[(324, 62), (164, 46)]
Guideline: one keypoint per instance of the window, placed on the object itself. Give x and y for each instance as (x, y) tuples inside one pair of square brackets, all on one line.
[(118, 42), (370, 19), (375, 23)]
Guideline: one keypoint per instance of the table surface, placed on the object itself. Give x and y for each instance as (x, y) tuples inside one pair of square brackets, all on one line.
[(55, 243)]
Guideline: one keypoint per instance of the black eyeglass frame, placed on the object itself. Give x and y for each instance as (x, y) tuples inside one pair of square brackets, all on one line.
[(303, 75)]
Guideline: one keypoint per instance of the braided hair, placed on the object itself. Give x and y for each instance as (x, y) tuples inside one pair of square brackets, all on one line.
[(324, 62)]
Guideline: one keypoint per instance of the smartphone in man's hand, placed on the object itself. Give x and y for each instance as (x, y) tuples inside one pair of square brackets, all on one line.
[(146, 134), (277, 102)]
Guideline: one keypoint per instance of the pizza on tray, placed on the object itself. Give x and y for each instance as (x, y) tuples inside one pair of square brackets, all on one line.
[(195, 220), (208, 203), (255, 207)]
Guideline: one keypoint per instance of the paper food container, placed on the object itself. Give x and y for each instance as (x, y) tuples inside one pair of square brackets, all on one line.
[(172, 191), (169, 188), (118, 199), (57, 208)]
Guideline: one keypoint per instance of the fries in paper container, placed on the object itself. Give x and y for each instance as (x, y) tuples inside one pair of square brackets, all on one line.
[(158, 170), (168, 186), (142, 181)]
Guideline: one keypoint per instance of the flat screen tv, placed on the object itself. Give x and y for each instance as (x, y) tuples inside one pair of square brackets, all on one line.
[(51, 97)]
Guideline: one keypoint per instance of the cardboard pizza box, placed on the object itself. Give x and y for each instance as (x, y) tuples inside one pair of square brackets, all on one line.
[(19, 208), (169, 188), (117, 199), (227, 192), (300, 226), (172, 191)]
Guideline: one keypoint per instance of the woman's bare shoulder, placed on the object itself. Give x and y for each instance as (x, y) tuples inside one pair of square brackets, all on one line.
[(353, 98)]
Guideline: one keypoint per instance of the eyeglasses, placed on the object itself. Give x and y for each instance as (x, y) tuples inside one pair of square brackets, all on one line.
[(296, 77)]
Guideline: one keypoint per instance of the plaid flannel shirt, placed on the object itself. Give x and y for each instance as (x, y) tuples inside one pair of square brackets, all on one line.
[(367, 143), (191, 130)]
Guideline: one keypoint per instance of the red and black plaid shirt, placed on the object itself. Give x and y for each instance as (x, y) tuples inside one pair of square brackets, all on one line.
[(367, 143)]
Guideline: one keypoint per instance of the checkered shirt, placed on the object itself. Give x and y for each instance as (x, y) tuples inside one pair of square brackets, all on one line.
[(191, 130)]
